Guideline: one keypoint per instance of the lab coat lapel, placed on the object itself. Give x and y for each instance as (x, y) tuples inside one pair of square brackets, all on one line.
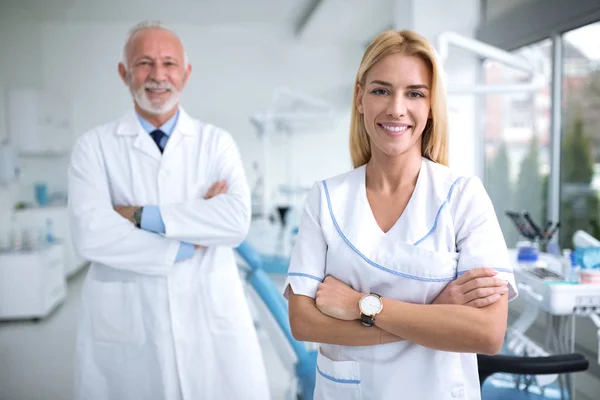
[(129, 125), (178, 160), (146, 145), (183, 130), (172, 144), (143, 157)]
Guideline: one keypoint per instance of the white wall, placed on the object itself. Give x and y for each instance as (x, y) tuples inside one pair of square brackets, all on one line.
[(10, 74), (235, 70), (461, 16)]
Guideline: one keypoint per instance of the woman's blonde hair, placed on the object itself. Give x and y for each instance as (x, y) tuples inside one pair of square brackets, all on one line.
[(434, 144)]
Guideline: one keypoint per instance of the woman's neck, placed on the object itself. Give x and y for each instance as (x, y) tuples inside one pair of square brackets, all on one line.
[(391, 174)]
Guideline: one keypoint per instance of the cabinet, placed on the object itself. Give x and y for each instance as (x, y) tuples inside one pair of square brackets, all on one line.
[(32, 283), (38, 122)]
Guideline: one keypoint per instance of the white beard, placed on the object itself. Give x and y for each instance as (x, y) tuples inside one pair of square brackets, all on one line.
[(155, 107)]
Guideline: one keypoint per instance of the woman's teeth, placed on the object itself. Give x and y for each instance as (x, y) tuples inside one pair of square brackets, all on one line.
[(395, 128)]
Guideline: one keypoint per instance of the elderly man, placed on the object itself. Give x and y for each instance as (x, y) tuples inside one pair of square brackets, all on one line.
[(157, 200)]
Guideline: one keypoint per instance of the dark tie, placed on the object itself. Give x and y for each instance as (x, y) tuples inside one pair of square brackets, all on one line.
[(157, 136)]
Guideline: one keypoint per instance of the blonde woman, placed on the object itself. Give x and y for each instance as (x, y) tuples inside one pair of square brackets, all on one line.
[(381, 247)]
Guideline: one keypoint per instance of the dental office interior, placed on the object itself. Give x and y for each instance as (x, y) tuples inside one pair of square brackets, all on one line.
[(523, 79)]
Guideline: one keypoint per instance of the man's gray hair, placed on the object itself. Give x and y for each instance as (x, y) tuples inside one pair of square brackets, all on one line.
[(148, 24)]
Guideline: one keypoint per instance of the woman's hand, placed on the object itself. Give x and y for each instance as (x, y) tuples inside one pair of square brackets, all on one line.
[(476, 288), (338, 300)]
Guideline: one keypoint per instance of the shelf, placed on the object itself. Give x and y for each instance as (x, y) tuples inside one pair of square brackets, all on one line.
[(44, 154)]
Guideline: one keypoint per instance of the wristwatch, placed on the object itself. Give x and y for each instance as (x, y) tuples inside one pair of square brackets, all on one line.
[(370, 305), (137, 217)]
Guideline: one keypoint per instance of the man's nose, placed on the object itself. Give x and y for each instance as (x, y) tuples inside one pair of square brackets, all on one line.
[(158, 72)]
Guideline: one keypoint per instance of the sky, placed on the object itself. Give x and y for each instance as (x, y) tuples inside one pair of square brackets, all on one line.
[(586, 40)]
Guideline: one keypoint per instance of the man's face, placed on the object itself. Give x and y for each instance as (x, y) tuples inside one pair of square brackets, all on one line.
[(156, 72)]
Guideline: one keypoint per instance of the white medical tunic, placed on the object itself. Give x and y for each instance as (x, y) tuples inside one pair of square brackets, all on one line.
[(448, 227)]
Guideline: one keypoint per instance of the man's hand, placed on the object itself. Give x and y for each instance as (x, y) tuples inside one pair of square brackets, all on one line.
[(216, 189), (476, 288), (126, 212), (338, 300)]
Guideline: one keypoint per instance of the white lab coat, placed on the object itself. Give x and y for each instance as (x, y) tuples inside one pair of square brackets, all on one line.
[(152, 328), (448, 227)]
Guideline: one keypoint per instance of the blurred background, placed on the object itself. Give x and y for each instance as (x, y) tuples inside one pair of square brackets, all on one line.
[(524, 109)]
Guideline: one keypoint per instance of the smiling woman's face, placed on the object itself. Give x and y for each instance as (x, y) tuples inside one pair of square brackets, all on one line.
[(396, 104)]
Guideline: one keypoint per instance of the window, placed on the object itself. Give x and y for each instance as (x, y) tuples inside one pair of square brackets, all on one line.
[(580, 141), (517, 137)]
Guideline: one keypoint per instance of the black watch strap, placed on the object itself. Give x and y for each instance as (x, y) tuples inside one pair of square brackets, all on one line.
[(367, 320), (137, 217)]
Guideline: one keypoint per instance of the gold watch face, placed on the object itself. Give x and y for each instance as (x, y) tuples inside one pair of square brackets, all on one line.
[(370, 305)]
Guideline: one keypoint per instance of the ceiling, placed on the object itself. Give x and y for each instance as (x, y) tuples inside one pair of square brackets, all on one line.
[(347, 20), (330, 21)]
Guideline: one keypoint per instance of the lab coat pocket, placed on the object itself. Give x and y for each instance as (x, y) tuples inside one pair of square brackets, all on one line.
[(116, 313), (337, 380), (227, 307)]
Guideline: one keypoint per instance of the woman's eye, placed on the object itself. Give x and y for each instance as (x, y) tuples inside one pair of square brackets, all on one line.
[(379, 92)]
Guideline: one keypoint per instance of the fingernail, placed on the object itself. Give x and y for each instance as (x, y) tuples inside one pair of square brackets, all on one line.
[(504, 290), (495, 297)]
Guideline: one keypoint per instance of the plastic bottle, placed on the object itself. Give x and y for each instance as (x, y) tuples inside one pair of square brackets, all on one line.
[(49, 231), (528, 255), (574, 270)]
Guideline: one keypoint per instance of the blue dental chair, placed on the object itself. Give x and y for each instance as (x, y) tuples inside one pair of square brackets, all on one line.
[(305, 360)]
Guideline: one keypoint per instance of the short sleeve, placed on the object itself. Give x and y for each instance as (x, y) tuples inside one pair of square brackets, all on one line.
[(479, 239), (307, 264)]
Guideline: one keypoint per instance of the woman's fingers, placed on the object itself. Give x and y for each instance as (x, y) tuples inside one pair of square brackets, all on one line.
[(482, 293), (484, 302), (481, 272)]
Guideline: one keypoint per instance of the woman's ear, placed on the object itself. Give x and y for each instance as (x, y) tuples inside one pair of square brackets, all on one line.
[(359, 96)]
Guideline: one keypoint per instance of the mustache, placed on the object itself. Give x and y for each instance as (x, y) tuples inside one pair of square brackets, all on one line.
[(160, 85)]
